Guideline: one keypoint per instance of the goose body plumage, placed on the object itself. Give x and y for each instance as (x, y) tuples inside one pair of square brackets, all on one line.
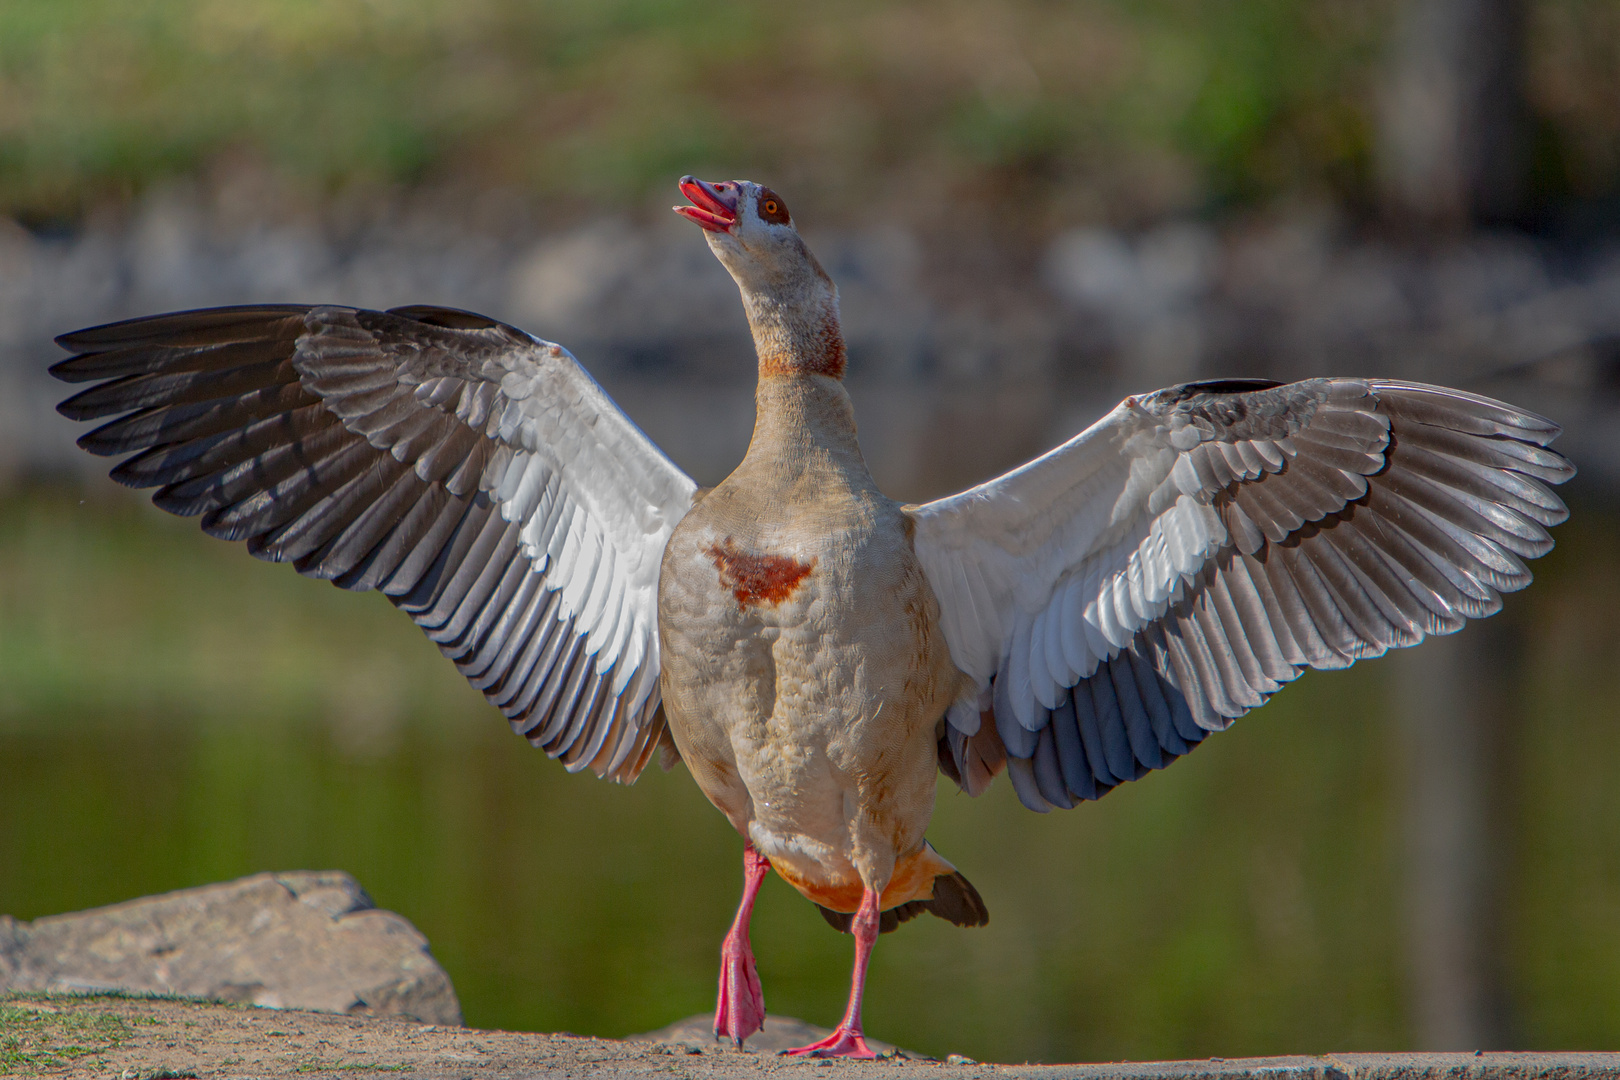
[(804, 674), (814, 651)]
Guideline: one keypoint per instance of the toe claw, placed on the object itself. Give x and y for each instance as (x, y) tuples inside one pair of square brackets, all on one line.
[(843, 1042), (740, 1010)]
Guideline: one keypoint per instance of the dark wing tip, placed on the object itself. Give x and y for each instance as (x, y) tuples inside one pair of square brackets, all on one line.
[(74, 408), (1463, 411), (451, 318), (151, 328), (71, 370), (1182, 391)]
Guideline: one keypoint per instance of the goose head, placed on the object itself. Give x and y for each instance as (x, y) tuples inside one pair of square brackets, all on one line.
[(792, 304)]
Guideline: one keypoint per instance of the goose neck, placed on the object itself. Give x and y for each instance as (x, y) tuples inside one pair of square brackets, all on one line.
[(801, 416), (797, 336)]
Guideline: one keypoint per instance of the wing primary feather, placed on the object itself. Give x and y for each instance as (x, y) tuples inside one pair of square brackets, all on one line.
[(1138, 727), (1246, 668), (1270, 565), (1395, 600), (1116, 742), (1152, 697), (1429, 584), (1259, 626), (1530, 459), (1461, 411), (472, 565), (1276, 617), (479, 578), (1071, 753), (525, 694), (592, 730), (421, 601), (513, 672), (532, 668), (548, 674), (500, 630), (1219, 656), (401, 559), (1318, 609), (1349, 596), (551, 708), (1085, 716), (1049, 773), (1022, 774), (1015, 735), (371, 521), (1174, 684), (1190, 674), (581, 707)]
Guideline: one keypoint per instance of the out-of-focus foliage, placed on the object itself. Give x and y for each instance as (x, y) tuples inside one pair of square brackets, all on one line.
[(172, 713), (1574, 90), (1079, 111)]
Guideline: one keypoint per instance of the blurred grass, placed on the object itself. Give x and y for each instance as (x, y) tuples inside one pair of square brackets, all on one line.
[(1076, 111), (173, 713)]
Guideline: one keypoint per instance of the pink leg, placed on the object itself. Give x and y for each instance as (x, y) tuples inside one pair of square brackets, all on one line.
[(847, 1039), (741, 1009)]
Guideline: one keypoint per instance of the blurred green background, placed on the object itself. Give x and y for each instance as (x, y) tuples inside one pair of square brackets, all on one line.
[(173, 713), (1118, 110)]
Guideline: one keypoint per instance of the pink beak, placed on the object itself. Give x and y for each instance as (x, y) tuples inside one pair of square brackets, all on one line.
[(714, 206)]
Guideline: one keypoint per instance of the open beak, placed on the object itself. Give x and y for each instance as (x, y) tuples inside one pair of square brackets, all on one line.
[(714, 206)]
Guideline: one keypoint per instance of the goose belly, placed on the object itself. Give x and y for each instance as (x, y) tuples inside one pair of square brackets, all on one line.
[(803, 679)]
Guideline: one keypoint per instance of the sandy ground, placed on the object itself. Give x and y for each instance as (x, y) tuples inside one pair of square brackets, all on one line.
[(159, 1039)]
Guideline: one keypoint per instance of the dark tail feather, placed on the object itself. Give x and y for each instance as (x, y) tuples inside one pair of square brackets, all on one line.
[(955, 900)]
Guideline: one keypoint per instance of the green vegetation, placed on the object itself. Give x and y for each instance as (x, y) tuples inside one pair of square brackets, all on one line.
[(173, 713), (39, 1034), (1077, 111)]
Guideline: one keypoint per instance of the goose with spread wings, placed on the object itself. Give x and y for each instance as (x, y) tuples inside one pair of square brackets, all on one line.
[(813, 651)]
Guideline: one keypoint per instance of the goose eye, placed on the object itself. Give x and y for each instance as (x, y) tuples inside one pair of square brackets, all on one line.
[(772, 208)]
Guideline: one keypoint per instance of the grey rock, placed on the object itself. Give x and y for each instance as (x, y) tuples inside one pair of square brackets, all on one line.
[(302, 940)]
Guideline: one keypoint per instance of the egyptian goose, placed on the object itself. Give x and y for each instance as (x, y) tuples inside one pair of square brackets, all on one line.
[(811, 649)]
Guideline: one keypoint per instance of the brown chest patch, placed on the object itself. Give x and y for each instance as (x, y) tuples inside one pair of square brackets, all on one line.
[(757, 579)]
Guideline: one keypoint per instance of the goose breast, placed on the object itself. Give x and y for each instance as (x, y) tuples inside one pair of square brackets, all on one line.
[(804, 673)]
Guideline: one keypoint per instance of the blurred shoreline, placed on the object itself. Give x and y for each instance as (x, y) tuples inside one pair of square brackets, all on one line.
[(969, 352)]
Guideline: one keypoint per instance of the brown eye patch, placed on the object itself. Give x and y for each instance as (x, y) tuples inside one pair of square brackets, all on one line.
[(771, 207)]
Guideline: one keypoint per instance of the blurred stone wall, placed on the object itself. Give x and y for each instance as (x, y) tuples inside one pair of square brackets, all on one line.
[(965, 356)]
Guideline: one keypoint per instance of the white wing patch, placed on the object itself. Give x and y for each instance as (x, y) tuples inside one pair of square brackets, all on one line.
[(474, 474), (1198, 547), (1084, 595)]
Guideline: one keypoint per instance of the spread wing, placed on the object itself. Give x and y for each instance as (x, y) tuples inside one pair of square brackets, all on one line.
[(474, 474), (1172, 566)]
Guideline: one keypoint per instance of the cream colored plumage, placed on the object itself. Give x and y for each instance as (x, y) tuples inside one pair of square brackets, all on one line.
[(813, 650)]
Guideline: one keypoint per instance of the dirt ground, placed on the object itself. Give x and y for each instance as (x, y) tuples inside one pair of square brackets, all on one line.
[(159, 1039)]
